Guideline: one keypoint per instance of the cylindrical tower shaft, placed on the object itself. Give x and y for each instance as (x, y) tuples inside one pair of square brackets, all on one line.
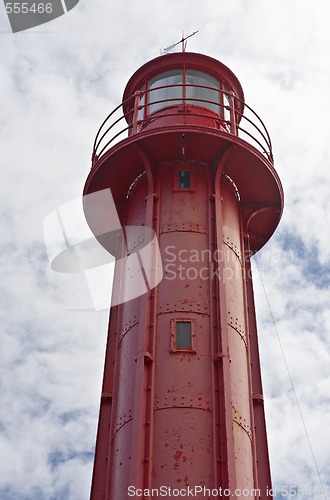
[(182, 401)]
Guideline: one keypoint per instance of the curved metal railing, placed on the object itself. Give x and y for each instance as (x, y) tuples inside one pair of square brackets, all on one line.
[(141, 111)]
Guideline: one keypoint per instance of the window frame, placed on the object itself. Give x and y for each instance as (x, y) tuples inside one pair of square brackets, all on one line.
[(173, 346)]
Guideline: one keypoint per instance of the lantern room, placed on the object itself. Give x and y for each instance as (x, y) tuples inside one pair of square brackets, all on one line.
[(183, 88)]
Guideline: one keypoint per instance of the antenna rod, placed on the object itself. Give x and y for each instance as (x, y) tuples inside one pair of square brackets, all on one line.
[(184, 39)]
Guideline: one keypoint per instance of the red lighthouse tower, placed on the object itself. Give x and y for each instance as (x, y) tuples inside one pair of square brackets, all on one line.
[(182, 404)]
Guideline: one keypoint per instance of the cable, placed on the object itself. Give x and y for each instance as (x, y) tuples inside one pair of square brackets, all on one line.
[(290, 378)]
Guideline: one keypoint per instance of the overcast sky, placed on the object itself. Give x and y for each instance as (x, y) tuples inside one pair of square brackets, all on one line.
[(58, 81)]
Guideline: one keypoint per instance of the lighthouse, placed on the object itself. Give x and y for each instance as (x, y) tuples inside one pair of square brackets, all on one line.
[(190, 163)]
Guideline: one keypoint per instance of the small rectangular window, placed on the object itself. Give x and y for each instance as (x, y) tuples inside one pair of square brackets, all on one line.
[(183, 335), (184, 179)]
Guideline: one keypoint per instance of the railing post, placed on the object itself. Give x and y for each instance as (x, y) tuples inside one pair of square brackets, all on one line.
[(233, 125), (137, 99)]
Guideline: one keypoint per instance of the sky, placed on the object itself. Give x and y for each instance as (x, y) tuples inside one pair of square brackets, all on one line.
[(58, 82)]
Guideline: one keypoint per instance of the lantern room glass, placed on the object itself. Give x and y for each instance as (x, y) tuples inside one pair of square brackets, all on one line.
[(170, 91), (199, 91), (185, 86)]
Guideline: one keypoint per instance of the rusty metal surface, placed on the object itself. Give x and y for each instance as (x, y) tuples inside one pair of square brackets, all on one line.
[(238, 348)]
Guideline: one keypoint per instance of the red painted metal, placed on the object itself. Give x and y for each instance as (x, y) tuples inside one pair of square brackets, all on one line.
[(171, 417)]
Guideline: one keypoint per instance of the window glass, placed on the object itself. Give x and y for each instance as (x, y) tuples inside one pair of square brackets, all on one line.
[(184, 179), (183, 335), (173, 95), (196, 79), (226, 102), (141, 110)]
